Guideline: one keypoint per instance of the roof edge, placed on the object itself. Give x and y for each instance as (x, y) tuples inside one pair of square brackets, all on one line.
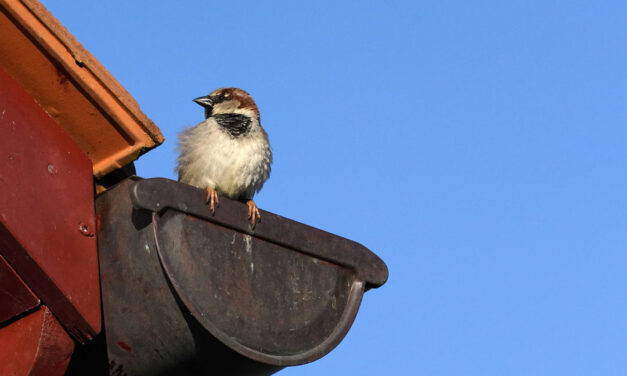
[(86, 60)]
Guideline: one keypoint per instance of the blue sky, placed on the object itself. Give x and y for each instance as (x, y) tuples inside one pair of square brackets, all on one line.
[(478, 147)]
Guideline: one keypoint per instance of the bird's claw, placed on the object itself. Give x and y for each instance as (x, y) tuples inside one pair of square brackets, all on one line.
[(212, 199), (253, 212)]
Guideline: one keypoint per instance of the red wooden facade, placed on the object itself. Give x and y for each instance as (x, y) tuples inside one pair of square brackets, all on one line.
[(47, 222), (47, 239)]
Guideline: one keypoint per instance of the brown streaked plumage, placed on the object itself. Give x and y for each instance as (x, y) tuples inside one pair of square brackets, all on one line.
[(245, 100)]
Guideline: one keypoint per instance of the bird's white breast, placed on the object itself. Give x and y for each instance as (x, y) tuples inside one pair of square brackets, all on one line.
[(236, 167)]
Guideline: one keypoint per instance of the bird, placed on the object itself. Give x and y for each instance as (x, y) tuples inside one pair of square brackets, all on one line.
[(228, 154)]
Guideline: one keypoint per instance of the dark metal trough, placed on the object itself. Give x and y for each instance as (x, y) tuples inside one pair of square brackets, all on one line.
[(187, 291)]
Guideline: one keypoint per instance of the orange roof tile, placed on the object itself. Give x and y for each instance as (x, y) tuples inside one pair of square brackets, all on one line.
[(73, 87)]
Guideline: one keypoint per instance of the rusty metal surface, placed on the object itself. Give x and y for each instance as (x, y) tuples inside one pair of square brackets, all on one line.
[(15, 296), (47, 221), (35, 345), (185, 292)]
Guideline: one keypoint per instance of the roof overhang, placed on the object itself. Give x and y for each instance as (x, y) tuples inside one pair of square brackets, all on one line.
[(73, 87)]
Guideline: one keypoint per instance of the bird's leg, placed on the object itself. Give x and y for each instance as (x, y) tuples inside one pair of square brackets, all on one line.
[(212, 198), (253, 212)]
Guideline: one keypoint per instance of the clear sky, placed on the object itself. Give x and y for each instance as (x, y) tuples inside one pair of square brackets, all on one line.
[(478, 147)]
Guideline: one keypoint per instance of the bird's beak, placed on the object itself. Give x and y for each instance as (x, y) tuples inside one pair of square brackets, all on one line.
[(205, 101)]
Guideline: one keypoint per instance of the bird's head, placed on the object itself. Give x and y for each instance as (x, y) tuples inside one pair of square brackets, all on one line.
[(229, 100)]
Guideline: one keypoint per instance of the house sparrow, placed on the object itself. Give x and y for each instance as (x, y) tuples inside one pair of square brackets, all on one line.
[(228, 154)]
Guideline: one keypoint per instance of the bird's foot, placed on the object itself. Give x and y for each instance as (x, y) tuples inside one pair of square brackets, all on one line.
[(253, 212), (212, 198)]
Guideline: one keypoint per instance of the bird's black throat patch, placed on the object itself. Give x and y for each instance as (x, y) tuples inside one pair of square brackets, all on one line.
[(235, 124)]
